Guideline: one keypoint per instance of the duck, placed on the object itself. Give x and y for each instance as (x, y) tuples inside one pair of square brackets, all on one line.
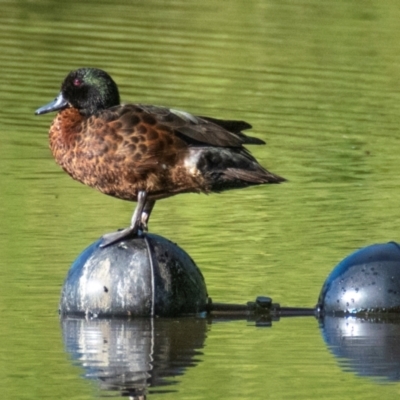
[(144, 153)]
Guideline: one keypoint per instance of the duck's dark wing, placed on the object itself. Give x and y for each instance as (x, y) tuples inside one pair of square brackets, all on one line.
[(202, 130), (236, 127)]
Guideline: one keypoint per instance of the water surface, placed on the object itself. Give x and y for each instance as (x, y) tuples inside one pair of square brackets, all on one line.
[(319, 82)]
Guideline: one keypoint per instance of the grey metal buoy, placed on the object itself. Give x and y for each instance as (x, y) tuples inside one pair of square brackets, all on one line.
[(367, 281), (143, 276)]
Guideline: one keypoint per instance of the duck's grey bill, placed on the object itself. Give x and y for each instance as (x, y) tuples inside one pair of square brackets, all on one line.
[(57, 104)]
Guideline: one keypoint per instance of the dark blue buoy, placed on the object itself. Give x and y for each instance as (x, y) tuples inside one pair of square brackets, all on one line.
[(139, 277), (367, 281)]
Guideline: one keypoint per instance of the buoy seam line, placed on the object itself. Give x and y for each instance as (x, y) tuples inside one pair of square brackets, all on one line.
[(152, 275)]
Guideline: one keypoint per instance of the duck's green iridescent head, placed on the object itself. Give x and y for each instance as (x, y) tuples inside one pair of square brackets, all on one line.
[(87, 89)]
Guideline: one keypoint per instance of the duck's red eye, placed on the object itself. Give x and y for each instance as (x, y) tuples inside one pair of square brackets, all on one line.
[(77, 82)]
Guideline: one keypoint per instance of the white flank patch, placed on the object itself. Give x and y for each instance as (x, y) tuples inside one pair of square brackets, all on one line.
[(192, 160)]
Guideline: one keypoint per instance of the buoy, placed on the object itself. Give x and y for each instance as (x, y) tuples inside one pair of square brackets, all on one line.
[(367, 281), (139, 277)]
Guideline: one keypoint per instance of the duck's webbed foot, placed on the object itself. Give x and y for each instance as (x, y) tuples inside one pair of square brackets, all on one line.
[(114, 237), (139, 221)]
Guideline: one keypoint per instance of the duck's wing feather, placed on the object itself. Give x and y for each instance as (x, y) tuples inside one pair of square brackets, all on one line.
[(202, 130)]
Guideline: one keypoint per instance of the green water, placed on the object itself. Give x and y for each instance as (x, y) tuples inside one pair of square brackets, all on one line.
[(319, 82)]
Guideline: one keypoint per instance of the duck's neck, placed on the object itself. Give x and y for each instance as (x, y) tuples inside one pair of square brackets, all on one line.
[(65, 131)]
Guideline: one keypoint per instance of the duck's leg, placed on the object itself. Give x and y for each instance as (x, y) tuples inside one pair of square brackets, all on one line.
[(147, 209), (139, 221)]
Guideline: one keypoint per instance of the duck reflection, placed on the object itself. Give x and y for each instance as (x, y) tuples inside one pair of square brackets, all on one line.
[(130, 356), (368, 346)]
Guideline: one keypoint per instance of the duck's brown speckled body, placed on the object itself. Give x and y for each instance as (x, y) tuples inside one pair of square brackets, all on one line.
[(120, 159), (144, 153)]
